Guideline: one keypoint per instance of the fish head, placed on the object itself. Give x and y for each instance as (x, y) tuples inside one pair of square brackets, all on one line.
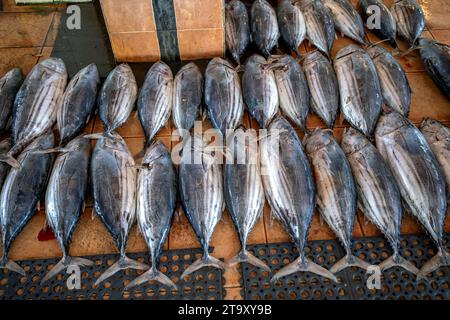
[(425, 42), (54, 64), (319, 139), (313, 57), (157, 151), (348, 50), (255, 60), (91, 71), (375, 51), (112, 140), (162, 69), (434, 130), (190, 67), (353, 141), (389, 122)]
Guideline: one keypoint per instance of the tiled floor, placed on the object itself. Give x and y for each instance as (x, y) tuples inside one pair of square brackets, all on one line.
[(27, 35)]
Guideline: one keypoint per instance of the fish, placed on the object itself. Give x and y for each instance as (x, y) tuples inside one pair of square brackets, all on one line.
[(387, 28), (155, 206), (113, 176), (5, 146), (323, 87), (289, 187), (336, 192), (438, 138), (244, 192), (260, 91), (436, 59), (117, 97), (202, 197), (78, 103), (293, 91), (36, 104), (393, 81), (23, 188), (359, 87), (379, 197), (9, 85), (264, 26), (155, 99), (187, 96), (223, 95), (319, 25), (419, 178), (65, 199), (410, 19), (346, 19), (237, 29), (291, 24)]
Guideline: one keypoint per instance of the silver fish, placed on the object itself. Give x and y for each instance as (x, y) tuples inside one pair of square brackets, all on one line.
[(156, 204), (264, 24), (291, 24), (418, 176), (9, 85), (114, 191), (393, 81), (260, 91), (410, 19), (64, 199), (237, 29), (323, 87), (187, 96), (359, 87), (223, 96), (387, 29), (5, 146), (244, 193), (117, 97), (155, 99), (336, 192), (21, 192), (289, 185), (378, 195)]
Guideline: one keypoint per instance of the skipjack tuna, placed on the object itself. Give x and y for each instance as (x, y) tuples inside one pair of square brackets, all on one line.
[(336, 193), (410, 19), (9, 85), (289, 186), (419, 178), (387, 29), (378, 195), (264, 26), (5, 146), (291, 24), (237, 29)]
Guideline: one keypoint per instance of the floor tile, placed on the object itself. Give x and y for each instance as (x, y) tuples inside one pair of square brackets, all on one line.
[(233, 293), (25, 58)]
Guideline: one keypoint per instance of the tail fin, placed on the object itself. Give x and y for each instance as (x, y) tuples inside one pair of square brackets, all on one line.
[(245, 256), (205, 261), (9, 159), (442, 258), (152, 274), (5, 263), (64, 264), (123, 263), (302, 264), (397, 260), (349, 261)]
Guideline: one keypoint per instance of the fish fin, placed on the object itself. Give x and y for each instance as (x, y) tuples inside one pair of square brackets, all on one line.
[(52, 150), (152, 274), (123, 264), (63, 264), (9, 159), (11, 265), (398, 261), (349, 261), (441, 259), (302, 264), (205, 261), (245, 256), (94, 136)]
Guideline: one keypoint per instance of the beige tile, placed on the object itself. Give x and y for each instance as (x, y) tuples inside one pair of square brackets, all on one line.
[(135, 47), (201, 44), (53, 31), (436, 13), (181, 234), (192, 14), (136, 15), (10, 6), (24, 58), (442, 36), (233, 293)]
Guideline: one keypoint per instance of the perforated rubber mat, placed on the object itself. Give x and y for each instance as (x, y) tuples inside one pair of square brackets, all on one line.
[(396, 283), (205, 284)]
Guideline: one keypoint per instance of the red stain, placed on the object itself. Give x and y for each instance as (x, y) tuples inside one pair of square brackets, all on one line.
[(46, 234)]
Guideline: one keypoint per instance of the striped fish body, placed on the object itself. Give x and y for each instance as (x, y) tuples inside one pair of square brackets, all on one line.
[(388, 26), (264, 26), (319, 25), (393, 81), (223, 96), (438, 137), (436, 59), (260, 91), (416, 171), (117, 97), (410, 19), (291, 24), (237, 29), (37, 102), (78, 103), (66, 190), (9, 85), (359, 87), (293, 91), (155, 99), (323, 87), (114, 187), (187, 96), (346, 19), (5, 146)]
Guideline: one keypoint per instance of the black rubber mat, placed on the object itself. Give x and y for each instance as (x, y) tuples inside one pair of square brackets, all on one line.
[(205, 284), (395, 283)]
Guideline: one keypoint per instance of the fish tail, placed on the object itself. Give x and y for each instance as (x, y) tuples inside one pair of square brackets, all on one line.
[(442, 258), (6, 263), (123, 264), (302, 264), (152, 274), (205, 261), (9, 159), (349, 261), (63, 264), (245, 256), (396, 260)]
